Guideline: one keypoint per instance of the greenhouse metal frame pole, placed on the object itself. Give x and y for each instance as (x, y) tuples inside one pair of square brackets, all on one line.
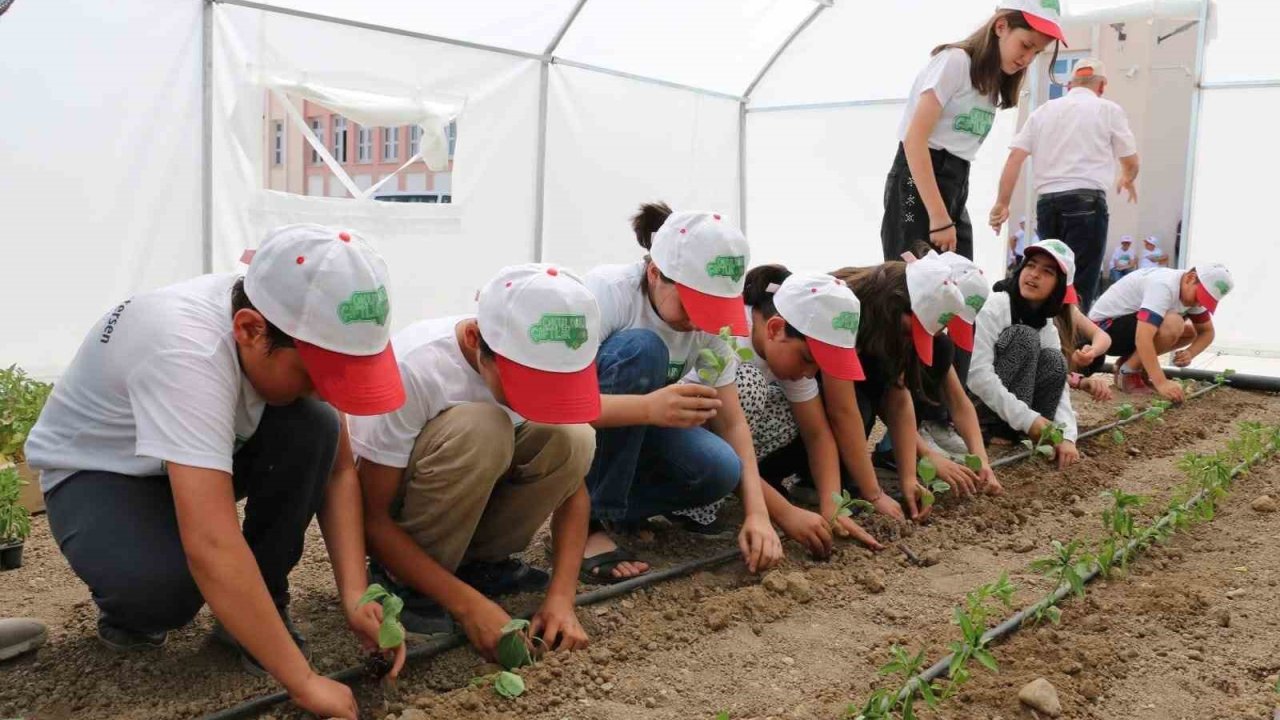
[(1197, 96), (206, 137), (540, 181), (833, 105)]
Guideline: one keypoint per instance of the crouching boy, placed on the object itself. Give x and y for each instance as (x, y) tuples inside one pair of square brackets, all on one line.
[(492, 440)]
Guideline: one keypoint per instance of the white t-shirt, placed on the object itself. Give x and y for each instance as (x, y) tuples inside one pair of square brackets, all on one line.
[(1121, 257), (436, 377), (1152, 293), (992, 320), (624, 306), (796, 391), (1074, 142), (156, 380), (1150, 258), (967, 116)]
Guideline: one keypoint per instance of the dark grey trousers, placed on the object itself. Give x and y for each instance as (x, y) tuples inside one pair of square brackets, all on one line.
[(120, 533), (1037, 376)]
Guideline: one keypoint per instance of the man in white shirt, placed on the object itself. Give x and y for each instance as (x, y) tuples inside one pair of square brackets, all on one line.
[(1076, 140)]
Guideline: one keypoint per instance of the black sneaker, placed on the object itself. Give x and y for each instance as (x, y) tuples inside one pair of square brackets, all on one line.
[(884, 460), (505, 577), (247, 661), (427, 620), (717, 529), (124, 640)]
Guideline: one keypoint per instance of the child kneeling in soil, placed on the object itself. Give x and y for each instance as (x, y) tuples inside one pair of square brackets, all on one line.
[(1019, 372), (905, 308), (455, 483), (185, 399), (800, 325), (666, 444), (1154, 311)]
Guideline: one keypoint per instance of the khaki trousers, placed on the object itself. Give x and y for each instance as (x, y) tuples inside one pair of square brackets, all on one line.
[(477, 488)]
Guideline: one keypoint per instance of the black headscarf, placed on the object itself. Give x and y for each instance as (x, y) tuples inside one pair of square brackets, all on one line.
[(1020, 311)]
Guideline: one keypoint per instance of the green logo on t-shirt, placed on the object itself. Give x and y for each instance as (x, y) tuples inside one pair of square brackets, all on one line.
[(562, 328), (846, 321), (365, 306), (975, 122), (1051, 5), (675, 370), (975, 302), (730, 266)]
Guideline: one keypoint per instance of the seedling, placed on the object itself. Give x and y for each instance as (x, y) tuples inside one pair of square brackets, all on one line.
[(15, 521), (1125, 411), (1221, 378), (1117, 519), (711, 365), (1047, 612), (517, 647), (973, 462), (21, 400), (1117, 437), (930, 484), (509, 685), (390, 633), (908, 666), (722, 715), (972, 620), (1049, 439), (845, 503), (1064, 566)]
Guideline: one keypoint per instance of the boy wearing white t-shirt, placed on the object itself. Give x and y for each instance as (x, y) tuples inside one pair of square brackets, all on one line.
[(1123, 260), (185, 399), (491, 441), (1154, 311)]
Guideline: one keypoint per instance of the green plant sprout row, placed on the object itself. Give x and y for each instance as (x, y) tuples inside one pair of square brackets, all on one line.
[(930, 484), (1049, 439), (845, 504), (711, 365), (516, 649), (1071, 565)]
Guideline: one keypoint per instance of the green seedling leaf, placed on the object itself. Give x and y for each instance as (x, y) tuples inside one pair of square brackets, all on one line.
[(939, 487), (1045, 451), (745, 354), (1028, 444), (926, 498), (1117, 437), (722, 715), (987, 660), (726, 334), (1125, 411), (973, 462), (513, 650), (708, 375), (391, 632), (373, 593), (509, 685), (515, 625), (926, 470)]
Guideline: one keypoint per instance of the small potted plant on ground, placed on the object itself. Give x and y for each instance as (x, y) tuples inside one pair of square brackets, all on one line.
[(21, 400), (15, 521)]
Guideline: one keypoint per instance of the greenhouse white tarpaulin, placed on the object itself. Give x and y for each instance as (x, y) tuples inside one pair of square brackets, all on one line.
[(134, 147)]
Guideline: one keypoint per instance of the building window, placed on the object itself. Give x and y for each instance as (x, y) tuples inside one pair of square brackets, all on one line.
[(364, 144), (339, 138), (415, 140), (277, 143), (453, 136), (317, 129), (390, 144)]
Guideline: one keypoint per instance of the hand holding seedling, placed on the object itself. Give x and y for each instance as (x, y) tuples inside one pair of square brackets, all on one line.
[(918, 498), (839, 510), (367, 621), (682, 405), (557, 624), (1068, 454), (807, 528), (932, 484), (759, 543), (1169, 390), (483, 623), (960, 478), (987, 481)]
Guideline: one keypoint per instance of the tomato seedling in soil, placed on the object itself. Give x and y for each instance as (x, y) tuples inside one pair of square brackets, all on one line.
[(930, 482), (711, 365), (845, 504), (390, 633)]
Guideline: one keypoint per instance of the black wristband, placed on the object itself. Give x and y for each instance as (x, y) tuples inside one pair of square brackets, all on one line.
[(944, 227)]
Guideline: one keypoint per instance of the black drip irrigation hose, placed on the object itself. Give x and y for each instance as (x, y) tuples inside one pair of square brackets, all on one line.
[(1235, 380), (1015, 621), (458, 639)]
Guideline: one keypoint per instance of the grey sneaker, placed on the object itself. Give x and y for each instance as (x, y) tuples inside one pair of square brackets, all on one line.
[(125, 640), (20, 635), (247, 661), (944, 438)]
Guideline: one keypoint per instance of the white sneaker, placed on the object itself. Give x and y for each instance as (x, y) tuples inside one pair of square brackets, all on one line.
[(944, 438)]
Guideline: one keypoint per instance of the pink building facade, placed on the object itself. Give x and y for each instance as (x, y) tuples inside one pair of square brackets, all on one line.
[(367, 154)]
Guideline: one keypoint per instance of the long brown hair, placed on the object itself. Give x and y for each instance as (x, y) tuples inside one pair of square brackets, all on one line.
[(647, 221), (882, 290), (983, 48)]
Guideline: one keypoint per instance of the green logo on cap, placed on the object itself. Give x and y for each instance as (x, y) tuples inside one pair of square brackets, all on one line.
[(975, 302), (1057, 246), (945, 318), (730, 266), (1051, 5), (562, 328), (365, 306), (846, 321), (1223, 286), (975, 122)]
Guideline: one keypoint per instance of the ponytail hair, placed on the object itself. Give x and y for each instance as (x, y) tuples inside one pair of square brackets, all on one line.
[(983, 49), (755, 292), (648, 220)]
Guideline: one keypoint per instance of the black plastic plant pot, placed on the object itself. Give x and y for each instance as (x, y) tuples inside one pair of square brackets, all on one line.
[(11, 555)]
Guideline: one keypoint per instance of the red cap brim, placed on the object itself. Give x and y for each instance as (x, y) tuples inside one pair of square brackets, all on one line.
[(1047, 27), (1205, 298), (551, 397), (961, 333), (838, 362), (922, 340), (709, 313), (354, 384), (1071, 298)]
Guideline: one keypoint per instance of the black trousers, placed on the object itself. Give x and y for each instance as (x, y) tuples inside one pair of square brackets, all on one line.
[(1080, 219), (120, 532), (905, 219)]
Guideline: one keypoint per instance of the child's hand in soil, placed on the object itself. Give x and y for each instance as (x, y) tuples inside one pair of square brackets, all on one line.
[(962, 480), (913, 492), (988, 482), (556, 622), (1169, 390), (324, 697), (1068, 455), (1098, 388), (846, 527), (365, 621), (483, 623), (807, 528), (759, 543), (886, 505)]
